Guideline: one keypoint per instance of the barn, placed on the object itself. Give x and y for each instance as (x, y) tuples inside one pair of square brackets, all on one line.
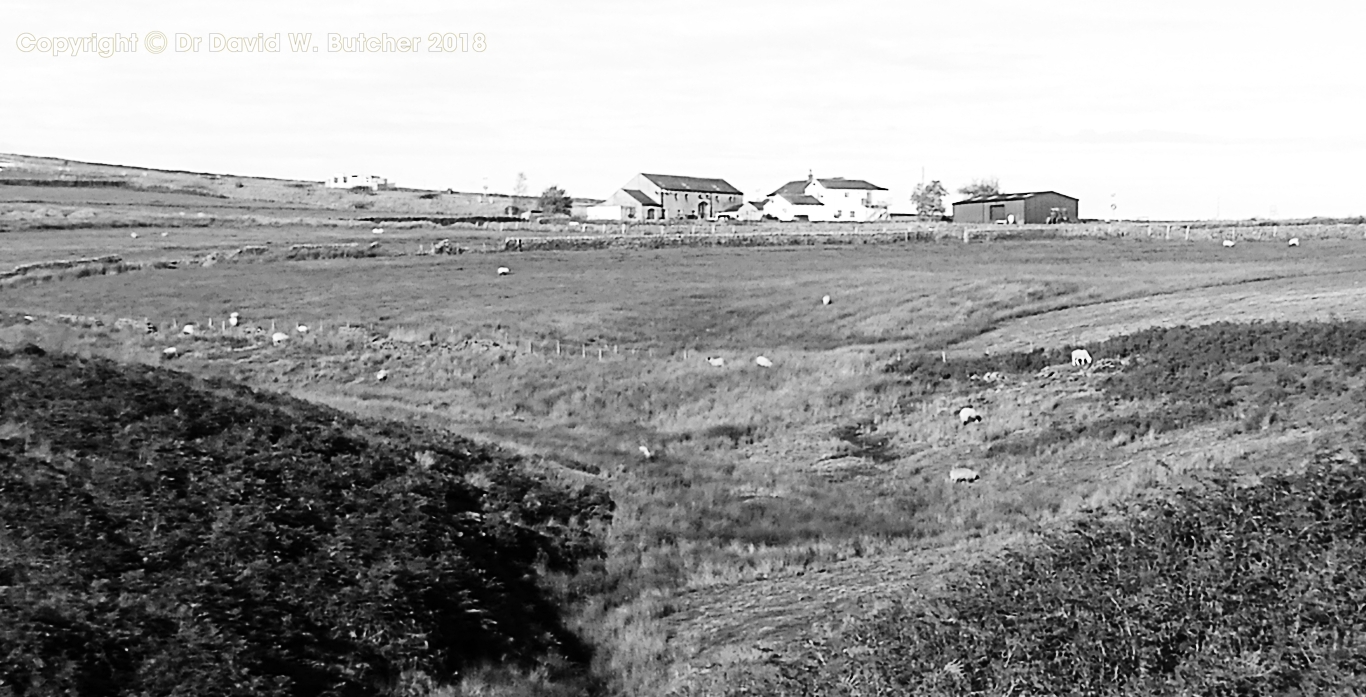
[(1030, 208)]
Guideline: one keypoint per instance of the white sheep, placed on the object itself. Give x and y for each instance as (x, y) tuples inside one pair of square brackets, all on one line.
[(165, 234), (381, 376), (1229, 243), (763, 362), (503, 271), (717, 361), (29, 318), (134, 235), (378, 231), (962, 474), (1081, 357), (279, 338), (1294, 241), (302, 328), (189, 330), (825, 300), (169, 352), (233, 319), (968, 415), (646, 452)]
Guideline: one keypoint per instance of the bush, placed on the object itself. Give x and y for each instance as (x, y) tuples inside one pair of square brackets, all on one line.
[(165, 535), (1215, 590)]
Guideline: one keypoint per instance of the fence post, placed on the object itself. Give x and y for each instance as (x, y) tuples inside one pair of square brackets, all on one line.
[(1188, 233), (557, 347), (965, 236), (599, 354)]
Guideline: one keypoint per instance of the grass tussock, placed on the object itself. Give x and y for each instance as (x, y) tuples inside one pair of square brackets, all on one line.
[(1219, 589)]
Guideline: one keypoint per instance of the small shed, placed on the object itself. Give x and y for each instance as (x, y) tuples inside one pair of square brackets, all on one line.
[(1030, 208)]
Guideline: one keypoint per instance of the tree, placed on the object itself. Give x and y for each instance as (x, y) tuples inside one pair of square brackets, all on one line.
[(929, 198), (553, 200), (981, 187)]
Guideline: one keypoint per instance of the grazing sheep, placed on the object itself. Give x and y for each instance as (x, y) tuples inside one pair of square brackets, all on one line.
[(968, 415), (646, 452), (763, 362), (1229, 243), (302, 329), (28, 318), (962, 474), (279, 338), (1081, 357), (717, 361), (825, 300), (1294, 241), (373, 245), (189, 330), (503, 271), (378, 231), (381, 376), (233, 319), (165, 234), (134, 235), (169, 353)]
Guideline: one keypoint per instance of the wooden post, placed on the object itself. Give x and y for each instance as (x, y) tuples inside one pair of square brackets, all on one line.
[(965, 237), (583, 351), (1188, 233), (614, 348), (557, 347), (944, 356), (599, 354), (1169, 233)]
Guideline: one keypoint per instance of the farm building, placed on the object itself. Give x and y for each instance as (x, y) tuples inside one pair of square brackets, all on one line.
[(664, 196), (1031, 208), (824, 200), (374, 182), (749, 210)]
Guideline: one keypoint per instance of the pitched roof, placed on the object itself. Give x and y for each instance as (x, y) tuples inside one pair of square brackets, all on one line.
[(759, 204), (669, 182), (731, 208), (640, 196), (994, 198), (799, 186), (800, 199), (842, 183)]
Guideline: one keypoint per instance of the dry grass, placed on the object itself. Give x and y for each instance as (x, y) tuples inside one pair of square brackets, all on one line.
[(756, 520)]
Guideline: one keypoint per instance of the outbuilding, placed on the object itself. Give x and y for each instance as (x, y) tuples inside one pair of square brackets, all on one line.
[(1030, 208)]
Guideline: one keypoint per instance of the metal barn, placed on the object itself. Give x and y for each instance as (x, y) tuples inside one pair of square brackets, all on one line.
[(1031, 208)]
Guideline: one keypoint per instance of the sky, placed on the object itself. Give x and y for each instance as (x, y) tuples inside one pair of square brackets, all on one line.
[(1153, 110)]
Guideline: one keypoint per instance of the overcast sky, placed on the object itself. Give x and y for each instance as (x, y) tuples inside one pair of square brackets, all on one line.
[(1163, 109)]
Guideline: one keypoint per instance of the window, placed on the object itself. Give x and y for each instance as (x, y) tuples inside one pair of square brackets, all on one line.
[(630, 212)]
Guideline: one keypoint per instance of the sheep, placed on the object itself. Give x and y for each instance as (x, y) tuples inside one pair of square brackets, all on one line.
[(29, 318), (962, 474), (646, 452), (148, 327), (1294, 241), (503, 271), (279, 338), (189, 330), (302, 328), (233, 319), (763, 362), (717, 361), (825, 300), (969, 415), (169, 353), (1229, 243), (381, 376), (378, 231), (1081, 357), (165, 234)]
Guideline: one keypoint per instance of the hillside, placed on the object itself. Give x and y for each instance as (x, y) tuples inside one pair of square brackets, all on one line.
[(162, 534)]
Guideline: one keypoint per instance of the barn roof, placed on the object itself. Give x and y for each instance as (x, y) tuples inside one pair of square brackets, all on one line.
[(995, 198), (640, 196), (670, 182)]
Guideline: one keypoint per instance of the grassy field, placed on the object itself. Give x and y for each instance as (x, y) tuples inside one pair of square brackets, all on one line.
[(777, 499)]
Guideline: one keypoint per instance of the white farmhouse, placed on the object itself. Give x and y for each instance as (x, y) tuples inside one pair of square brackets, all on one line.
[(373, 182), (829, 200)]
